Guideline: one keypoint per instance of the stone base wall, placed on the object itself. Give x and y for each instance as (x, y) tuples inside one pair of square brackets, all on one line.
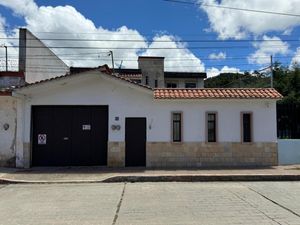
[(190, 154), (199, 154), (7, 161), (116, 154)]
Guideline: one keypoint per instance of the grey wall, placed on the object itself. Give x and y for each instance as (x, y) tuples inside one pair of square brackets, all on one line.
[(37, 60), (6, 82), (288, 151), (153, 68)]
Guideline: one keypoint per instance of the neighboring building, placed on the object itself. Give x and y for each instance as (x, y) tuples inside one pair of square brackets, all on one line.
[(151, 72), (9, 79), (36, 60), (8, 116), (8, 125)]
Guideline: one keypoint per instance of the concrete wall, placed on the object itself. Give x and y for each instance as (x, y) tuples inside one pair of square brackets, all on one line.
[(288, 151), (127, 101), (40, 62), (153, 68), (8, 114)]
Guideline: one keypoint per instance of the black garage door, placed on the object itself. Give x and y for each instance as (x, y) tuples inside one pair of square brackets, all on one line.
[(69, 135)]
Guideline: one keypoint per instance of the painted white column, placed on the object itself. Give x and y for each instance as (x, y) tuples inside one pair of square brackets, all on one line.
[(20, 130)]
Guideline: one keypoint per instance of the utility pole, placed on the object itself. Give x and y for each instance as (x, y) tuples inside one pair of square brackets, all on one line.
[(271, 71), (112, 61)]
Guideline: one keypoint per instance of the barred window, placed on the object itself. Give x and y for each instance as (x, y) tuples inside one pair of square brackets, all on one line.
[(247, 127), (176, 126), (211, 127), (171, 85)]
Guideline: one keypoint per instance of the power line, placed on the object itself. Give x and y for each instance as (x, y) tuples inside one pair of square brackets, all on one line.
[(233, 8), (135, 59), (238, 80), (141, 48), (80, 54), (181, 66), (159, 41), (83, 57)]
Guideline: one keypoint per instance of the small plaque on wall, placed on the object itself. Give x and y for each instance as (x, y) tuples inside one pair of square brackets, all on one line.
[(42, 139), (86, 127)]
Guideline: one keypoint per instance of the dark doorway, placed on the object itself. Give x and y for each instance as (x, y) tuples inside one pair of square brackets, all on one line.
[(135, 142), (69, 135), (288, 120)]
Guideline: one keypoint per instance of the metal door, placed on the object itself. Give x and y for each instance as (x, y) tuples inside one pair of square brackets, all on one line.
[(69, 135), (135, 142)]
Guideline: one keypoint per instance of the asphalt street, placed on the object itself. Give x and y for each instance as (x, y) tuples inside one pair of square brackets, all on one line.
[(151, 203)]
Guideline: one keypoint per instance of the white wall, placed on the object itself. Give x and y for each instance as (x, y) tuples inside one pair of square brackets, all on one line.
[(7, 137), (126, 101)]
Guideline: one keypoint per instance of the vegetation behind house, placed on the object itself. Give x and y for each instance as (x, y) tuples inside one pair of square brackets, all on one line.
[(286, 81)]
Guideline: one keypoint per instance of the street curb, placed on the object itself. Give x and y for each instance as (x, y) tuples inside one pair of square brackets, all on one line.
[(164, 178), (201, 178), (11, 181)]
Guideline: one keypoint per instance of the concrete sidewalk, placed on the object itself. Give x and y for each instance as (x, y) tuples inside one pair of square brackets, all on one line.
[(103, 174)]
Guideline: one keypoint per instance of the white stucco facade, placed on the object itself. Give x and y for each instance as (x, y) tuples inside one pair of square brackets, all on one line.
[(127, 100), (8, 125)]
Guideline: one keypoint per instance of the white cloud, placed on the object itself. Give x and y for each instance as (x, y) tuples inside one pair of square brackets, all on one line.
[(212, 72), (219, 56), (67, 20), (296, 58), (239, 24), (180, 59), (271, 46), (21, 7)]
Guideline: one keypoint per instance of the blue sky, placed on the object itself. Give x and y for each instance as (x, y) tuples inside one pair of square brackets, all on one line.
[(174, 22)]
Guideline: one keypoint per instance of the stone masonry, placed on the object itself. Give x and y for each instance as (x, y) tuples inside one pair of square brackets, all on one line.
[(193, 154), (116, 154), (199, 154)]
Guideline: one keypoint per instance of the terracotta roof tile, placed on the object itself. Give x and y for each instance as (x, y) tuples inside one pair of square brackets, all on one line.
[(217, 93)]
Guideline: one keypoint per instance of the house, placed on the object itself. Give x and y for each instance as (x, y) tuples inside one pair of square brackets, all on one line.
[(96, 116)]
